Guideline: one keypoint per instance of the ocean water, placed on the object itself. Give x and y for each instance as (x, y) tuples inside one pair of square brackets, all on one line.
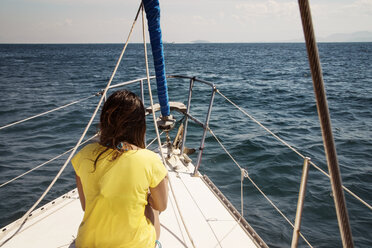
[(272, 82)]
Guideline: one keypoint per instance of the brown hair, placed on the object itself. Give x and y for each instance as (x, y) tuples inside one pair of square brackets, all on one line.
[(122, 120)]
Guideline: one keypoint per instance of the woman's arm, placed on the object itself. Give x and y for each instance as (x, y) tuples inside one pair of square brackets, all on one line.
[(80, 191), (158, 198)]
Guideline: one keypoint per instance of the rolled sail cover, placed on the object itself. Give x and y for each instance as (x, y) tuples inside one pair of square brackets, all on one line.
[(152, 9)]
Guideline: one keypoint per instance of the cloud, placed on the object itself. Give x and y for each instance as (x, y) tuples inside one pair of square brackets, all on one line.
[(64, 23), (342, 17), (215, 20), (200, 20), (268, 8), (360, 7), (76, 2), (326, 9)]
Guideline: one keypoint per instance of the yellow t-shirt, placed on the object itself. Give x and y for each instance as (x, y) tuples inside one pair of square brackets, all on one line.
[(116, 196)]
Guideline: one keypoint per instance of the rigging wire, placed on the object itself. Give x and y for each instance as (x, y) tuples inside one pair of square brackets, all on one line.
[(156, 127), (244, 112), (26, 215), (47, 112), (292, 148), (242, 170)]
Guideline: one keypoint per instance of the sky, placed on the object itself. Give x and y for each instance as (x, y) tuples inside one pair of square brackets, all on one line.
[(109, 21)]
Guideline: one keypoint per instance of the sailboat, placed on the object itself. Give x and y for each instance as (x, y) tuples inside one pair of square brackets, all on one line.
[(198, 214)]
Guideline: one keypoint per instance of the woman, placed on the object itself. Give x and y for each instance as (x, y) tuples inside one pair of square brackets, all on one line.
[(114, 178)]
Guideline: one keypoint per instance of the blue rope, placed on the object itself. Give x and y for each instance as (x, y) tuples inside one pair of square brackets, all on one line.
[(152, 9)]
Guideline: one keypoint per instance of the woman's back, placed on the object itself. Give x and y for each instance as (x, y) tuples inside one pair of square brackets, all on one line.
[(116, 195)]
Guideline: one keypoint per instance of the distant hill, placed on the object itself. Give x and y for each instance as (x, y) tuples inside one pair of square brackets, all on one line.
[(362, 36)]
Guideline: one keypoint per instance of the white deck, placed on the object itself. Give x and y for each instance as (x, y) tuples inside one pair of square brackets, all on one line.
[(209, 223)]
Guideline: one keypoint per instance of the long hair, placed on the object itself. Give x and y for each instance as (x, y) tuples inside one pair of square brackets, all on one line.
[(122, 120)]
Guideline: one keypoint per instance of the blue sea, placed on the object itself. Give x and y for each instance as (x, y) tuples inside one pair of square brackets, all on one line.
[(272, 82)]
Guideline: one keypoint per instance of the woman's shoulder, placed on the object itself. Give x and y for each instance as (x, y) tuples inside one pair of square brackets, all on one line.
[(148, 153), (90, 149)]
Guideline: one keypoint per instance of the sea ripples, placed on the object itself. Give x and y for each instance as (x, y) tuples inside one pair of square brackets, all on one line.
[(271, 82)]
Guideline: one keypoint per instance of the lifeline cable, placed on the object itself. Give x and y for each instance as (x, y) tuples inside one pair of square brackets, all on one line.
[(292, 148), (245, 174)]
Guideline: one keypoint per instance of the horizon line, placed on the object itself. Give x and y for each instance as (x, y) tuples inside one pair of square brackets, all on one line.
[(190, 42)]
